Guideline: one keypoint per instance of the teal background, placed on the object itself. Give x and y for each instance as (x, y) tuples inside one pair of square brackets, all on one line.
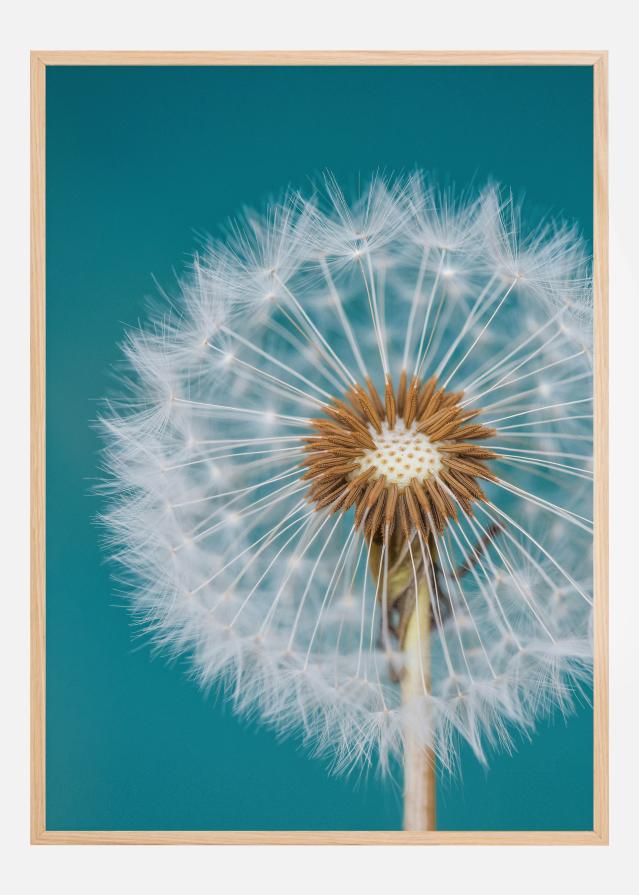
[(139, 162)]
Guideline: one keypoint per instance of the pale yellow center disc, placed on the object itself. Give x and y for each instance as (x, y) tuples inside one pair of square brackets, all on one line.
[(401, 454)]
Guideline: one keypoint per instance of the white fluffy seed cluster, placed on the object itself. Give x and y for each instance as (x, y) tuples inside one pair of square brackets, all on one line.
[(401, 454), (218, 550)]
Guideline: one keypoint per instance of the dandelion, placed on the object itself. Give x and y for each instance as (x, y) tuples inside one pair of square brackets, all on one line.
[(351, 473)]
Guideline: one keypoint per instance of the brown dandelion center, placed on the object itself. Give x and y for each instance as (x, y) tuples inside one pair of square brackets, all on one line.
[(407, 463)]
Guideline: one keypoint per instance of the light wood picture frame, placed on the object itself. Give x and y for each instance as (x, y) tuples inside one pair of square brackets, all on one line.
[(40, 61)]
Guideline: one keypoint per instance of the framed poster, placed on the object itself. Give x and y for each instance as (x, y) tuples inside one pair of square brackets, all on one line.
[(323, 370)]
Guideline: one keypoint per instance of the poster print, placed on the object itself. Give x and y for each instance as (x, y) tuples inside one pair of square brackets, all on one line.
[(320, 449)]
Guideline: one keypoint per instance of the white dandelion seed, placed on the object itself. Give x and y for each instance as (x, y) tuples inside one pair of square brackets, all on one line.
[(351, 473)]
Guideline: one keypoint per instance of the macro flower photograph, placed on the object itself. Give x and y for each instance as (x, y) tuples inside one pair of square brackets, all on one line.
[(323, 348)]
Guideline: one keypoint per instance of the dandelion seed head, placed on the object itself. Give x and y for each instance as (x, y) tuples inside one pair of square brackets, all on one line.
[(357, 398)]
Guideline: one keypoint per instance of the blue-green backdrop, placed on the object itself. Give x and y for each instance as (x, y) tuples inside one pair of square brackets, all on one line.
[(140, 161)]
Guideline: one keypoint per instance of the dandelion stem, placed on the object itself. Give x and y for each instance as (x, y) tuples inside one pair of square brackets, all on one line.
[(419, 761), (399, 573)]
